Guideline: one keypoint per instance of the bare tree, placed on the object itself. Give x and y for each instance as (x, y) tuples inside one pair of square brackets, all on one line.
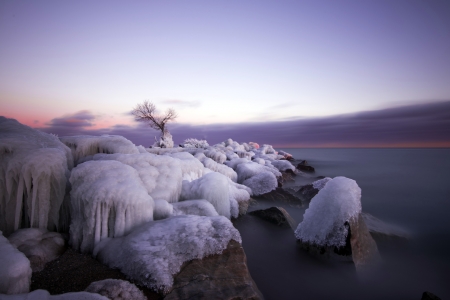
[(146, 112)]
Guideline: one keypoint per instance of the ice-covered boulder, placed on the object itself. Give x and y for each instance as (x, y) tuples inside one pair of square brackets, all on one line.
[(108, 200), (326, 221), (261, 183), (239, 196), (83, 146), (45, 295), (116, 289), (39, 245), (161, 174), (216, 167), (283, 165), (213, 187), (152, 253), (250, 169), (162, 209), (191, 167), (198, 207), (15, 270), (33, 174)]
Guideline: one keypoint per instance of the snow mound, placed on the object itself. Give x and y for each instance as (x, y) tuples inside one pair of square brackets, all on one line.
[(151, 254), (194, 143), (216, 155), (33, 169), (261, 183), (15, 271), (324, 221), (39, 245), (116, 289), (191, 167), (45, 295), (283, 165), (213, 187), (83, 146), (108, 200), (199, 207), (161, 174), (250, 169), (320, 184)]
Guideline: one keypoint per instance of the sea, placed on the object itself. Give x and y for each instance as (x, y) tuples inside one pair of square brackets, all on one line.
[(408, 189)]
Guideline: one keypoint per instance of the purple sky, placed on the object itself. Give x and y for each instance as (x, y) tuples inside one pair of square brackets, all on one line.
[(83, 65)]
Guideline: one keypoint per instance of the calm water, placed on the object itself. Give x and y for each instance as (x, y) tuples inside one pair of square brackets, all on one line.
[(406, 187)]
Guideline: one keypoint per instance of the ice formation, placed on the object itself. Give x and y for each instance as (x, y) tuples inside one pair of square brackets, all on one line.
[(152, 253), (320, 184), (191, 167), (334, 205), (198, 207), (165, 140), (261, 183), (83, 146), (108, 200), (116, 289), (216, 167), (213, 187), (161, 174), (39, 245), (15, 270), (33, 169), (283, 165), (162, 209), (45, 295)]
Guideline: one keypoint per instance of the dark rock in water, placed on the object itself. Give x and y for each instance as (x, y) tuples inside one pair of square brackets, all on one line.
[(305, 168), (220, 276), (276, 215), (429, 296), (306, 192), (280, 194), (287, 175)]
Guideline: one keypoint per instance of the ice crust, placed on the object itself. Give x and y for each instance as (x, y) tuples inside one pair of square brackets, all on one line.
[(194, 143), (261, 183), (335, 204), (15, 270), (320, 184), (161, 174), (216, 167), (108, 200), (200, 207), (155, 251), (162, 209), (116, 289), (191, 167), (83, 146), (33, 172)]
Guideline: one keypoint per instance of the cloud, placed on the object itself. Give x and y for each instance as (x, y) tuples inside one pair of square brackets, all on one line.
[(413, 125), (182, 103)]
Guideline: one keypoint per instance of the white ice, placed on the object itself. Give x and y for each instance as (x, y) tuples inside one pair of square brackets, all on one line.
[(83, 146), (334, 205), (116, 289), (154, 252), (195, 143), (320, 184), (261, 183), (200, 207), (191, 167), (216, 167), (45, 295), (15, 270), (108, 200), (33, 173)]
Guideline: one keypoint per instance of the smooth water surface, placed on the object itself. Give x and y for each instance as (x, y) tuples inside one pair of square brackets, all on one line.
[(406, 187)]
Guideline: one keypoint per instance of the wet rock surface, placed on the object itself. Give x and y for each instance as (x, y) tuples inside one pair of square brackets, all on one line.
[(281, 195), (276, 215), (305, 167), (220, 276)]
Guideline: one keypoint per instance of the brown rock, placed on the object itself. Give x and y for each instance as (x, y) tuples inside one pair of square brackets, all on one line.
[(220, 276), (281, 195), (276, 215)]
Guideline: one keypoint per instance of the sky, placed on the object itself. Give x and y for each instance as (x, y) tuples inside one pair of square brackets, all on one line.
[(335, 73)]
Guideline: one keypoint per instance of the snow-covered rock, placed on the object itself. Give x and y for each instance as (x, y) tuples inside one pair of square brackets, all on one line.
[(15, 270), (116, 289), (198, 207), (261, 183), (191, 167), (216, 167), (45, 295), (39, 245), (33, 173), (320, 184), (161, 174), (108, 200), (152, 253), (83, 146), (213, 187), (324, 222)]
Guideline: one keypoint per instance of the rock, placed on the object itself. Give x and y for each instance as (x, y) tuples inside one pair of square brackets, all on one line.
[(429, 296), (281, 195), (303, 166), (39, 245), (381, 230), (276, 215), (306, 192), (219, 276), (287, 175), (116, 289)]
